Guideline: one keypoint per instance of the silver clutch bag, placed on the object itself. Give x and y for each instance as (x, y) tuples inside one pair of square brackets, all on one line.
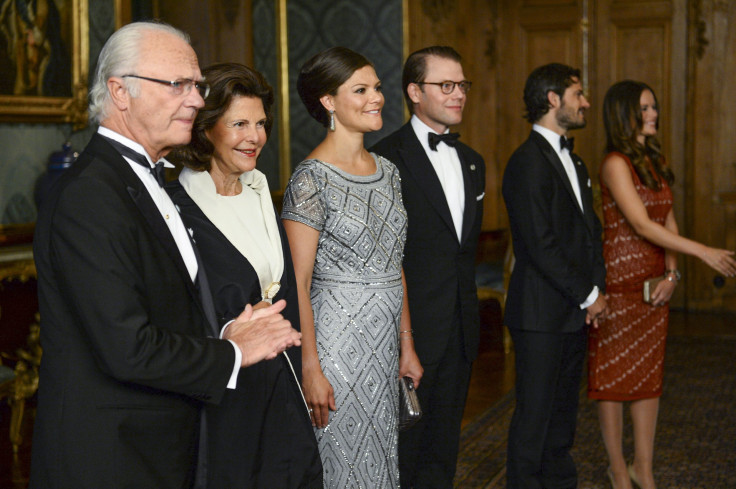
[(409, 409)]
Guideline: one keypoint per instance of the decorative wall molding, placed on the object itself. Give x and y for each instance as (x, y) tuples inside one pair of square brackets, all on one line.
[(701, 41)]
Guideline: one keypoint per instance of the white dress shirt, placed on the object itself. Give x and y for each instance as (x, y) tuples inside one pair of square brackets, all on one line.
[(564, 154), (172, 218), (554, 140), (446, 164)]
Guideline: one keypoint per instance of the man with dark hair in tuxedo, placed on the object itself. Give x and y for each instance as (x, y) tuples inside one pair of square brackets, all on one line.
[(442, 184), (558, 283)]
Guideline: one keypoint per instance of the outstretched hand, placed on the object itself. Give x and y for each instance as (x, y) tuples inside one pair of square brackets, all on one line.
[(262, 334), (721, 261)]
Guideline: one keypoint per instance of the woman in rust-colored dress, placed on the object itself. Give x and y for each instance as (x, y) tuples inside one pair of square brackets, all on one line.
[(626, 352)]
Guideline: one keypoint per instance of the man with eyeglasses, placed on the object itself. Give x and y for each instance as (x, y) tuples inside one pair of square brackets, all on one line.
[(130, 338), (442, 183)]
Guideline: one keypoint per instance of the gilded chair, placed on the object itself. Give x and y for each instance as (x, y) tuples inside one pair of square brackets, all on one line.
[(20, 349), (493, 278), (21, 384)]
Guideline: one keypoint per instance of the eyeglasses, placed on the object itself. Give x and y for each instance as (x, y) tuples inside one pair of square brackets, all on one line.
[(448, 86), (180, 86)]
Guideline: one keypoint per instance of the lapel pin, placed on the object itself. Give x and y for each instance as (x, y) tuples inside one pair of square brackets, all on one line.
[(472, 167)]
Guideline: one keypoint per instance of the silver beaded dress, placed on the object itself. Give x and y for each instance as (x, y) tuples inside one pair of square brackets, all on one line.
[(356, 298)]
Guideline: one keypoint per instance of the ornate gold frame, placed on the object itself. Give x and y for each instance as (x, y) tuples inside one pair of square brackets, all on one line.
[(14, 108), (282, 49)]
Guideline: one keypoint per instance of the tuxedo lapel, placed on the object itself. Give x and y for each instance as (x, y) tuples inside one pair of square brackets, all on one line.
[(470, 176), (152, 216), (143, 201), (551, 156), (417, 163), (586, 193)]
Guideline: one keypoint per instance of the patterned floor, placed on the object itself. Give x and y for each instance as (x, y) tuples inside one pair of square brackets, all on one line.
[(696, 436)]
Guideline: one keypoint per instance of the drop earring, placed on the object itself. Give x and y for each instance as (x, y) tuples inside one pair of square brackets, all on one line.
[(332, 120)]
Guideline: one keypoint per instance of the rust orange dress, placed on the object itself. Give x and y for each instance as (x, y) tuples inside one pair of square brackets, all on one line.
[(626, 352)]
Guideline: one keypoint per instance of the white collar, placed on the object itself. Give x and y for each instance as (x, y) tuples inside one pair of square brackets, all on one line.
[(137, 147), (551, 136)]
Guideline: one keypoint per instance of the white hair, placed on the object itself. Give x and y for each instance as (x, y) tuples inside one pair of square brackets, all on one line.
[(120, 56)]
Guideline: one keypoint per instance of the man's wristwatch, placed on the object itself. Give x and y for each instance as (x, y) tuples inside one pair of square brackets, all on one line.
[(670, 273)]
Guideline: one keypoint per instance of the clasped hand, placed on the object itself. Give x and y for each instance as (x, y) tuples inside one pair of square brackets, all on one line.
[(597, 311), (262, 334)]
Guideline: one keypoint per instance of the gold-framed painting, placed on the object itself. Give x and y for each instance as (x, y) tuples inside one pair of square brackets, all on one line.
[(44, 59)]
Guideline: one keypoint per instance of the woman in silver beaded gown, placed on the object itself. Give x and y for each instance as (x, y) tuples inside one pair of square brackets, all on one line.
[(346, 226)]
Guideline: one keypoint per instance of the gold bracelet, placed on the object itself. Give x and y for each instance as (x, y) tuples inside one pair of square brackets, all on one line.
[(406, 331)]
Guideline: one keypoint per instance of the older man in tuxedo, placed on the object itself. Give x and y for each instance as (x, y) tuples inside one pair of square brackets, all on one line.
[(442, 183), (127, 324), (558, 281)]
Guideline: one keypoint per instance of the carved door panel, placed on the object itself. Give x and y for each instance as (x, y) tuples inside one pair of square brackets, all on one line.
[(609, 40), (471, 28), (533, 33), (711, 175)]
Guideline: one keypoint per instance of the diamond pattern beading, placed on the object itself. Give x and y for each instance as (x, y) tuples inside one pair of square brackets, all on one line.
[(356, 299)]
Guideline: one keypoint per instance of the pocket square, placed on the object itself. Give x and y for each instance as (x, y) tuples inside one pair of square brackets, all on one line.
[(480, 197), (589, 182)]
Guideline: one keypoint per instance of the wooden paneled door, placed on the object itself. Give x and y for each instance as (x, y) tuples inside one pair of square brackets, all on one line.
[(533, 33), (711, 176), (470, 27), (609, 40)]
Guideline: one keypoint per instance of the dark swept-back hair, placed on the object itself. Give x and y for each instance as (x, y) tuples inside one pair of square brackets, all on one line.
[(323, 74), (415, 67), (227, 81), (554, 77), (623, 121)]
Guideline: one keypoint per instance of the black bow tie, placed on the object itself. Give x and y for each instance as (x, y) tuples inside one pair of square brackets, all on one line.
[(568, 143), (157, 171), (449, 138)]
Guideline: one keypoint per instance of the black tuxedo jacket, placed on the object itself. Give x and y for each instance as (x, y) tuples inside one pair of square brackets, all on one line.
[(557, 246), (439, 269), (126, 361)]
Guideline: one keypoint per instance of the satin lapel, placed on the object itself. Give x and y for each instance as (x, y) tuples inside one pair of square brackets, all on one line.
[(145, 204), (470, 176), (586, 193), (551, 156), (421, 169)]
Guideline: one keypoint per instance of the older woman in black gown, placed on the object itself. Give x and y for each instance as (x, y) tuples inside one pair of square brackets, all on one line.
[(260, 435)]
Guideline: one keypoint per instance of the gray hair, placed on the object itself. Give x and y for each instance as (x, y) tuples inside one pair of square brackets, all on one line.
[(120, 56)]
